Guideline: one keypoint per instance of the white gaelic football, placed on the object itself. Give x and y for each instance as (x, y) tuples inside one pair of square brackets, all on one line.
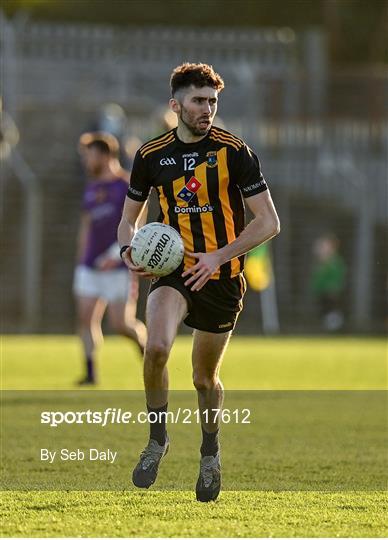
[(158, 248)]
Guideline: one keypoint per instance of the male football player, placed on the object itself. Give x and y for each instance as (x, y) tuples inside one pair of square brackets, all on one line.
[(101, 278), (201, 175)]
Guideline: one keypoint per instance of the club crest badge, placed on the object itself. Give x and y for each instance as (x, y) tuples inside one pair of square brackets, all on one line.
[(211, 159)]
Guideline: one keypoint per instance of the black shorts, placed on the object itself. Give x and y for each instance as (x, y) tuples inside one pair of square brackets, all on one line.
[(215, 307)]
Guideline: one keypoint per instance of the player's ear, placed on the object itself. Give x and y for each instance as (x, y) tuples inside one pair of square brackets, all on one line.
[(175, 105)]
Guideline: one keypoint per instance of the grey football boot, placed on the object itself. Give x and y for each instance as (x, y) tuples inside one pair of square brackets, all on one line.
[(209, 479), (146, 471)]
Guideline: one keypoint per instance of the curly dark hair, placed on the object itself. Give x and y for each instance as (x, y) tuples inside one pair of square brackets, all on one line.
[(198, 75)]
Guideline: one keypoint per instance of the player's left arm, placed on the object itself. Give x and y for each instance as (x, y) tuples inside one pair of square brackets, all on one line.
[(264, 226)]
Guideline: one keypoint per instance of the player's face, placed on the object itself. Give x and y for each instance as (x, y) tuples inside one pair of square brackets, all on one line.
[(197, 108), (93, 160)]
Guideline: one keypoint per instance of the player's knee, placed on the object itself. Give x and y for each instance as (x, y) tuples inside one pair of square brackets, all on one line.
[(204, 382), (156, 353)]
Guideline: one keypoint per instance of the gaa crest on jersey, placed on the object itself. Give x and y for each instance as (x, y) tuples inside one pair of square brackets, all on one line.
[(211, 159), (190, 189)]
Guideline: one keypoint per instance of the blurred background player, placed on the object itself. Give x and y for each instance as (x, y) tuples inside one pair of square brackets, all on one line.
[(328, 282), (101, 279)]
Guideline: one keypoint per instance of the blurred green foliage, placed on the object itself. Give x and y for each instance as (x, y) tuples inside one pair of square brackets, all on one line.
[(357, 29)]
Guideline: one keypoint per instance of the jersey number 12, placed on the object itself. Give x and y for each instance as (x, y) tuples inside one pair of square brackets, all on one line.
[(188, 164)]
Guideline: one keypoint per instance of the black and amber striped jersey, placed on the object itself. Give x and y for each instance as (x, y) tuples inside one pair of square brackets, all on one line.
[(201, 187)]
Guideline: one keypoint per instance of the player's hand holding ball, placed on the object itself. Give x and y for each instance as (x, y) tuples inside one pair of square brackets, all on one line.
[(156, 250)]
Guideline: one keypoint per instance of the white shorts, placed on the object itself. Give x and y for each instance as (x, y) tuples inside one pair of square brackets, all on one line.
[(111, 285)]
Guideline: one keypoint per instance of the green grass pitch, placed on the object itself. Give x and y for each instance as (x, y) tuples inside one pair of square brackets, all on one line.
[(30, 363)]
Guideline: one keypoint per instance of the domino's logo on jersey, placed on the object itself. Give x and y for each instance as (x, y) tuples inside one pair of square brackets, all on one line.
[(190, 189)]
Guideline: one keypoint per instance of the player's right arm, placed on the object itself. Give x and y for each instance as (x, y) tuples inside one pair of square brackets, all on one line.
[(130, 219), (134, 210)]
